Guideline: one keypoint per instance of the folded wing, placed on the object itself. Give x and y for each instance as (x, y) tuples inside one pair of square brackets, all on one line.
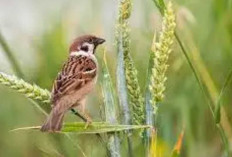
[(76, 73)]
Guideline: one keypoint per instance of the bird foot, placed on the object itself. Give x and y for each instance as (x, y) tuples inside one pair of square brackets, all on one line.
[(88, 122)]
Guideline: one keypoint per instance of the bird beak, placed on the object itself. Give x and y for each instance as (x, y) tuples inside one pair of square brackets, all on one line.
[(99, 41)]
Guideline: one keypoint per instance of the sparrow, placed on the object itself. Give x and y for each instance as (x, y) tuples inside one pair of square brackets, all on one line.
[(74, 82)]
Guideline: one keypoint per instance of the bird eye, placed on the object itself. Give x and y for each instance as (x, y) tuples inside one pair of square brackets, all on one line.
[(90, 40), (85, 48)]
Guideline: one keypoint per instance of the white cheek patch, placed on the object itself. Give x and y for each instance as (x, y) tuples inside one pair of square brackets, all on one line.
[(90, 47)]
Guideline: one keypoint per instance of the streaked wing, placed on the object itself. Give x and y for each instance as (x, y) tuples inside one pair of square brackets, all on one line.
[(76, 72)]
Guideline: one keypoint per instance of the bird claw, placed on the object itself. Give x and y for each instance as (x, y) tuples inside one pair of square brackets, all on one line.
[(87, 123)]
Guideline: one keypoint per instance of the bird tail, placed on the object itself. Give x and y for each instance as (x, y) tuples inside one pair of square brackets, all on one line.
[(53, 122)]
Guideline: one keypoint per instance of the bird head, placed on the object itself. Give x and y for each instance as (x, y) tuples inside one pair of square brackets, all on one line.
[(86, 43)]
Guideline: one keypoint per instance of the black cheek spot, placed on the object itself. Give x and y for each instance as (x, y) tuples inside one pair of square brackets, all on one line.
[(85, 48)]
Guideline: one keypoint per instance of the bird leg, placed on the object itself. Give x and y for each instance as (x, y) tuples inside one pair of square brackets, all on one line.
[(82, 113), (77, 113)]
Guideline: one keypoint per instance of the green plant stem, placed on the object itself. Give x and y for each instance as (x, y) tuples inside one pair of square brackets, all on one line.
[(218, 104), (150, 120), (195, 73), (10, 56), (224, 140), (121, 85), (38, 107)]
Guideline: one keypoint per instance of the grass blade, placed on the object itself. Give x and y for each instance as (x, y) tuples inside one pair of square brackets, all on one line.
[(110, 109), (94, 128)]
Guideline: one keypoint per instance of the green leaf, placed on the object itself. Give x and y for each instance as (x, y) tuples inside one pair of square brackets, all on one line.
[(94, 128), (108, 93)]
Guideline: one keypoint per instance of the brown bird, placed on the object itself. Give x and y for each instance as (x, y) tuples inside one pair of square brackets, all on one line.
[(76, 79)]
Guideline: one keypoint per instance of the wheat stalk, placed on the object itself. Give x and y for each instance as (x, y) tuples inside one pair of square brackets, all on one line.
[(30, 91), (161, 50)]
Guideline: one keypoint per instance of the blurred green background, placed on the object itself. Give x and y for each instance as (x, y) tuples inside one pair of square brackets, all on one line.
[(39, 33)]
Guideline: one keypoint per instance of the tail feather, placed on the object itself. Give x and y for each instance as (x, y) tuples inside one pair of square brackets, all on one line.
[(54, 122)]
